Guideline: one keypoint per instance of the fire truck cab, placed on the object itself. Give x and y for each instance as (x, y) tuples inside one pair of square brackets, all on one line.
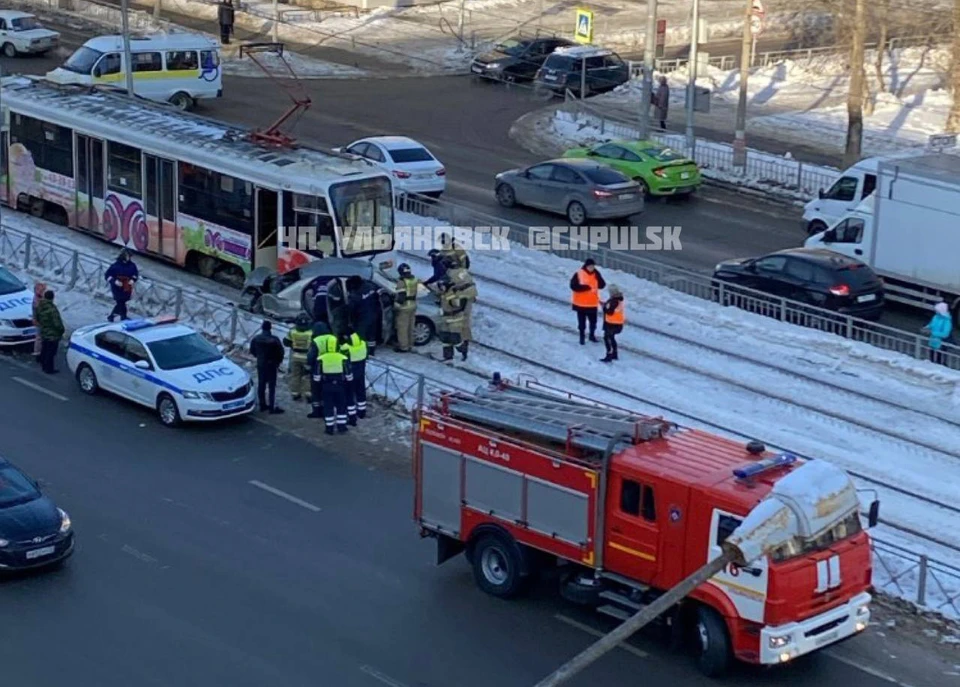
[(524, 477)]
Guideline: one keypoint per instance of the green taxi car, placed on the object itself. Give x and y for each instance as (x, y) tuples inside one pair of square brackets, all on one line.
[(659, 170)]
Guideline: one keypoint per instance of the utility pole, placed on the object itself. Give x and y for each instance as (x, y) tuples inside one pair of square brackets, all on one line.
[(460, 22), (740, 138), (156, 7), (649, 55), (692, 74), (276, 21), (855, 98), (127, 56)]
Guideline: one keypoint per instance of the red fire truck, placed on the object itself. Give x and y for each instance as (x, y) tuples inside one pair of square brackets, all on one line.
[(524, 477)]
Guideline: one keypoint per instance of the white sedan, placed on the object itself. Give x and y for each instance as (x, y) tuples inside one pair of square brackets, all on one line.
[(414, 168), (21, 33), (162, 365), (16, 311)]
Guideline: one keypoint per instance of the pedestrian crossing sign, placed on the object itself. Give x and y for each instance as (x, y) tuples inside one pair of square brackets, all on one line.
[(584, 32)]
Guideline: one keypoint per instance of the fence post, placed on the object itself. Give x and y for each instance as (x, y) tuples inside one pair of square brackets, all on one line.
[(74, 270), (26, 252), (922, 581), (918, 349), (234, 323), (178, 303), (603, 125), (799, 175)]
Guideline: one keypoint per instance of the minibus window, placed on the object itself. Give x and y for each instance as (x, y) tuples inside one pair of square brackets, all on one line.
[(82, 61), (182, 61)]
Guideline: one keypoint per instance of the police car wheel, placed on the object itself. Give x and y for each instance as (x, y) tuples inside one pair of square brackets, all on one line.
[(87, 379), (168, 411)]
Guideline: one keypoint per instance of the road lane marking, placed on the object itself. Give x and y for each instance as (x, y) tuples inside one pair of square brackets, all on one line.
[(865, 669), (42, 390), (377, 675), (597, 633), (139, 555), (284, 495)]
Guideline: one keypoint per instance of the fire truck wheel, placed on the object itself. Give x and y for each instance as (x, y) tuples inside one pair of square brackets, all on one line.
[(713, 642), (497, 567)]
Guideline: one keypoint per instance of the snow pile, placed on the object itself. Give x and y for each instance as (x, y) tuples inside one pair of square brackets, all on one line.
[(303, 67)]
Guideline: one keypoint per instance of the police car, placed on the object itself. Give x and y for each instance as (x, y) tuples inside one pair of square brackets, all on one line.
[(162, 365), (16, 311)]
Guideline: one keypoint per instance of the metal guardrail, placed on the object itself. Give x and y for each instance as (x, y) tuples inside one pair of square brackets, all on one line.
[(774, 173), (899, 571), (703, 286), (772, 57)]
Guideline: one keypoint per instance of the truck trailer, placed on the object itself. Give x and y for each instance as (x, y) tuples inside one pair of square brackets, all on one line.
[(908, 231), (523, 479)]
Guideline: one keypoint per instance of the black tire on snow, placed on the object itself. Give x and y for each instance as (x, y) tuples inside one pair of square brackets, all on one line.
[(715, 652), (497, 566)]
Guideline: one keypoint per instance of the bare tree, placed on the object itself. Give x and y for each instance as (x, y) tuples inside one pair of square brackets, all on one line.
[(953, 119), (855, 98)]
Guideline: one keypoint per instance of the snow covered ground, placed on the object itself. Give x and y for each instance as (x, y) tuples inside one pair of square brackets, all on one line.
[(303, 67), (644, 382)]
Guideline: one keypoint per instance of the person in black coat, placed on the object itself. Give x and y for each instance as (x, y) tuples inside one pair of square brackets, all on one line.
[(439, 263), (225, 19), (363, 302), (121, 276), (269, 352)]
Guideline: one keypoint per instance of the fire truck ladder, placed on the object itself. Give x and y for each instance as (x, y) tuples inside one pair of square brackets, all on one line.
[(272, 135), (556, 420)]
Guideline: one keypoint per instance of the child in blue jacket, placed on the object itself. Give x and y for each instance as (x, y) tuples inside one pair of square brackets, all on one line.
[(940, 328)]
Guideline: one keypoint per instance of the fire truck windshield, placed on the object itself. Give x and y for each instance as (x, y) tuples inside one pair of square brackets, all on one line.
[(798, 547)]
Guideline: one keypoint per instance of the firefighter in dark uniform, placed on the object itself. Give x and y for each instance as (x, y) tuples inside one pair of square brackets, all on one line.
[(452, 307), (330, 370), (298, 341), (355, 348)]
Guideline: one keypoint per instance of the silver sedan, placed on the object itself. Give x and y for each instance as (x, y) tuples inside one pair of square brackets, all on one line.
[(582, 190)]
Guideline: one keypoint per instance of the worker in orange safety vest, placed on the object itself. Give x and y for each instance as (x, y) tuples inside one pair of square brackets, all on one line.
[(614, 316), (586, 285)]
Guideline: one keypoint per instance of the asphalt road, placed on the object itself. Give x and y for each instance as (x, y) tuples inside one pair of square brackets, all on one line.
[(187, 573)]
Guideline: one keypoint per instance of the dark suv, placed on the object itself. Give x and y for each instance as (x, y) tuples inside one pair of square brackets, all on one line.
[(516, 59), (564, 69), (813, 276)]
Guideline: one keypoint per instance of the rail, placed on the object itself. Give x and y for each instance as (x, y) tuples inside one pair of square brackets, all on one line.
[(914, 576), (703, 286)]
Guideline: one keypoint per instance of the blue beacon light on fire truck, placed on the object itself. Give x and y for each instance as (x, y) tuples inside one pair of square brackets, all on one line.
[(766, 465)]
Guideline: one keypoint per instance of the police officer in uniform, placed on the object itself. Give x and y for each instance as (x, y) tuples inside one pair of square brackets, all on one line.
[(330, 369), (452, 306), (298, 341), (321, 330), (356, 349), (405, 308)]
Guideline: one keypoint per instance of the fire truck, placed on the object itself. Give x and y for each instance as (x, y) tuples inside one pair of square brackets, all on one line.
[(522, 478)]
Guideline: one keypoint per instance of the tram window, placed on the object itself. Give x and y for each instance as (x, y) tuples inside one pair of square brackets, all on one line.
[(51, 146), (182, 60), (217, 198), (147, 62), (124, 169)]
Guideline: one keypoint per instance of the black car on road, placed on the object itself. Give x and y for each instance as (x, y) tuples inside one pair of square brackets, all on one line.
[(516, 59), (812, 276), (33, 532), (584, 70)]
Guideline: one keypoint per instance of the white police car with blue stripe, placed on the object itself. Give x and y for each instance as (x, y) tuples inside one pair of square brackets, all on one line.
[(16, 311), (161, 364)]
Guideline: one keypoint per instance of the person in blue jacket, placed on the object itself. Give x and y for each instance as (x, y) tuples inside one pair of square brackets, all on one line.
[(121, 276), (439, 263), (940, 328)]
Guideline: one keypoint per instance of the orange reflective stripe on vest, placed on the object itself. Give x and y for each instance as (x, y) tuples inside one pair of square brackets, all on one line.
[(587, 299), (618, 316)]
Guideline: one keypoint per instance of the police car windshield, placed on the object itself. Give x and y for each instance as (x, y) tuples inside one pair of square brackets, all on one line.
[(9, 283), (15, 488), (183, 351)]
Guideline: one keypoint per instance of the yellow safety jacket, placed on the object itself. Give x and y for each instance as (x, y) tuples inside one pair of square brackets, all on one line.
[(300, 343), (355, 349), (408, 287)]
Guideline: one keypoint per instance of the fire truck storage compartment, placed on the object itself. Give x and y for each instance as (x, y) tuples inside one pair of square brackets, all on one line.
[(451, 480)]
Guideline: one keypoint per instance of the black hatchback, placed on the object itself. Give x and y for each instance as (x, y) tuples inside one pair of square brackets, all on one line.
[(584, 70), (813, 276), (516, 59), (33, 531)]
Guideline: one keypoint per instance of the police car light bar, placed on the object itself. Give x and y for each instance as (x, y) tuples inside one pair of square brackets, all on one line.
[(765, 465), (146, 323)]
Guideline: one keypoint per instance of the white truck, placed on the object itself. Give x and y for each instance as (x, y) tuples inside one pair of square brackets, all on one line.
[(908, 230)]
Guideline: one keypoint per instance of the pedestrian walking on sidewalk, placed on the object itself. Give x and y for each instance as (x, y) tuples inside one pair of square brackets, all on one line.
[(225, 16), (940, 328), (614, 316), (661, 101), (51, 331), (121, 276), (586, 285), (269, 352)]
